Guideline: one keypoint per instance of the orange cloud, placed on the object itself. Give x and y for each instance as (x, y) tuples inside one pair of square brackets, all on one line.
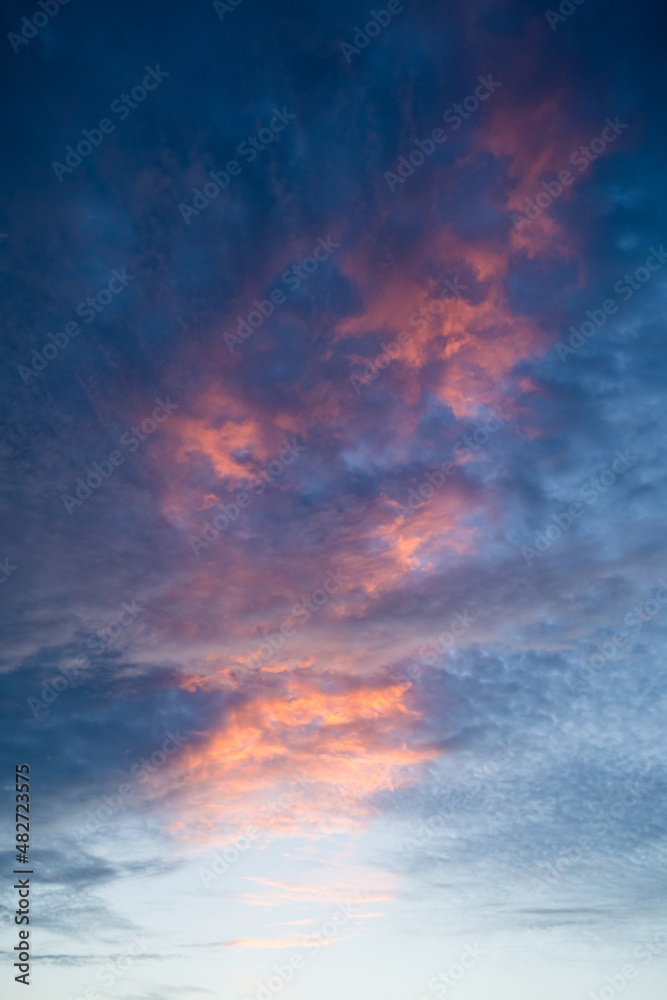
[(227, 433), (260, 944), (466, 351), (344, 743)]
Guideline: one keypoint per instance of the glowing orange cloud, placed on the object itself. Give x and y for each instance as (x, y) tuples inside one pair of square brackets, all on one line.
[(344, 746)]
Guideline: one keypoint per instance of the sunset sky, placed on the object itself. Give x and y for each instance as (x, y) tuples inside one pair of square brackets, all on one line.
[(333, 568)]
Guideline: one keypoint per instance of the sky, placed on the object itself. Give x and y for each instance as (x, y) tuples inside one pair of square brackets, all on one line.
[(332, 558)]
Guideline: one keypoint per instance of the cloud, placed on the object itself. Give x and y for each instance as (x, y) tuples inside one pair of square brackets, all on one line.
[(346, 704)]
